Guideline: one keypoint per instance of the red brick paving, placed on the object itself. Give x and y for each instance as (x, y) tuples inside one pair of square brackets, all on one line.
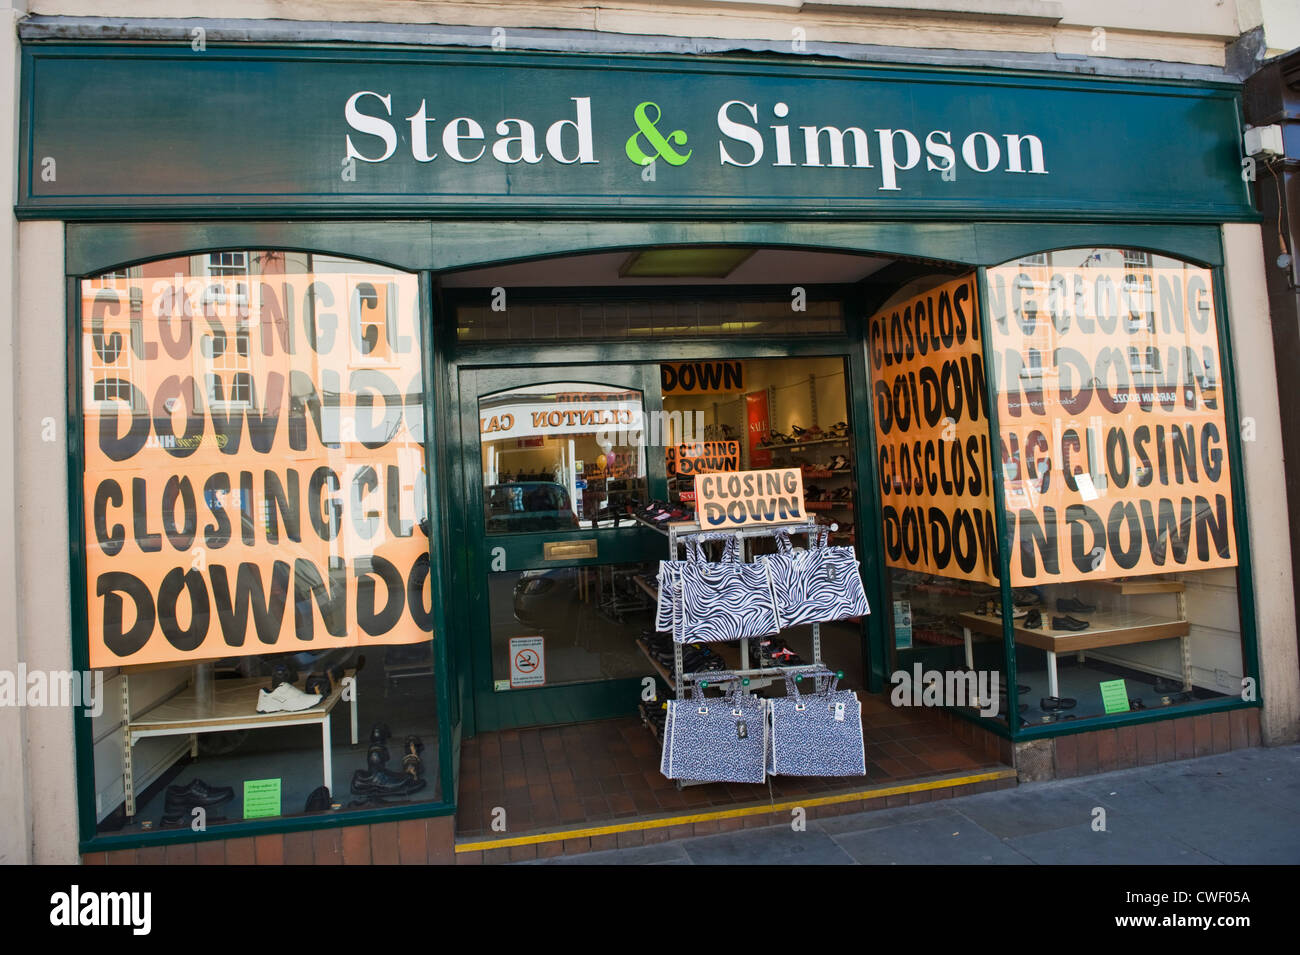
[(550, 777)]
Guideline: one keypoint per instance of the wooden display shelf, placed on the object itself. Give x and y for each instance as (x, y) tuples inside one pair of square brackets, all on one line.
[(233, 707), (804, 444), (1109, 628), (730, 655), (1139, 585), (662, 670)]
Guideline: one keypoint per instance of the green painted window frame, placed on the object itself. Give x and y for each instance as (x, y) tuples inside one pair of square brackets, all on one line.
[(89, 840), (1245, 576)]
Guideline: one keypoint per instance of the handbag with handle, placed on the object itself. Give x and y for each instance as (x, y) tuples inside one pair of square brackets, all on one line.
[(819, 733), (667, 609), (716, 739), (816, 585), (725, 601)]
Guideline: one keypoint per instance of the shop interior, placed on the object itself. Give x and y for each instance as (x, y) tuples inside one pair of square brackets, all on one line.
[(719, 414), (598, 621)]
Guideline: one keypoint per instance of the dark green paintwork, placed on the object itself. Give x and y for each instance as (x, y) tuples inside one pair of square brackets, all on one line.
[(413, 245), (261, 131)]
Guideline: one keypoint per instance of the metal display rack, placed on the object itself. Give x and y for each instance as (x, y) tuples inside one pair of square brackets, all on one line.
[(751, 677)]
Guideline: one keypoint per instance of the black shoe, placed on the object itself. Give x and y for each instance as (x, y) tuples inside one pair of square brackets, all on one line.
[(282, 673), (1069, 623), (1072, 605), (318, 683), (1033, 620), (383, 783), (199, 793), (1050, 703)]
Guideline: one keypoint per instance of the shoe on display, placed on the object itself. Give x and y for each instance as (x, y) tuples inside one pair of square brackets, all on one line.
[(384, 783), (1069, 623), (318, 683), (282, 673), (199, 793), (1073, 605), (1057, 703), (285, 698)]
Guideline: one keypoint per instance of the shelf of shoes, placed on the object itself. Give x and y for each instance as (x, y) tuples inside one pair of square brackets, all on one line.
[(800, 445), (233, 707), (1106, 628)]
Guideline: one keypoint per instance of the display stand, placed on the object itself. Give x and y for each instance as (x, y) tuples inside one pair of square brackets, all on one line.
[(752, 677), (231, 706), (1108, 628), (749, 677)]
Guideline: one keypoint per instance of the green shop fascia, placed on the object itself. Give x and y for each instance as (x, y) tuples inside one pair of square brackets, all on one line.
[(429, 161)]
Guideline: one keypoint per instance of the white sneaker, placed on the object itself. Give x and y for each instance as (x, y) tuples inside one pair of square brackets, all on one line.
[(285, 698)]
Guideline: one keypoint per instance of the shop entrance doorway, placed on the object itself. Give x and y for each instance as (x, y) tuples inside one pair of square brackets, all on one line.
[(555, 461), (572, 474)]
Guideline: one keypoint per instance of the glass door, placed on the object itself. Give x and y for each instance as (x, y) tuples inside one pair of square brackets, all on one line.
[(557, 459)]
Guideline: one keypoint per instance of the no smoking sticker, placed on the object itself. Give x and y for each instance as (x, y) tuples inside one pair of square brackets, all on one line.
[(527, 662)]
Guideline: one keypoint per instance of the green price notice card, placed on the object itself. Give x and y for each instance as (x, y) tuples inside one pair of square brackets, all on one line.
[(261, 798), (1114, 696)]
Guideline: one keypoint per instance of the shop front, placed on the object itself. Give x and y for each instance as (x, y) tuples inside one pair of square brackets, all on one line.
[(389, 373)]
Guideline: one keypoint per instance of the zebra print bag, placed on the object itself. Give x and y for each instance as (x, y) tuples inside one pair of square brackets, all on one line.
[(667, 608), (718, 739), (815, 585), (819, 734), (725, 601)]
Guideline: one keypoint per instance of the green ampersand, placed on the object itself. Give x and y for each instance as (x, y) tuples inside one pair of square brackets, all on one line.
[(646, 127)]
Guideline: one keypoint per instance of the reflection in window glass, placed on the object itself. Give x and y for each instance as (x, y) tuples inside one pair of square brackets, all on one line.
[(560, 456), (257, 557), (1113, 444)]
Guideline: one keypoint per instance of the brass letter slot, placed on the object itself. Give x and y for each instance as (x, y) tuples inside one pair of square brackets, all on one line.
[(569, 550)]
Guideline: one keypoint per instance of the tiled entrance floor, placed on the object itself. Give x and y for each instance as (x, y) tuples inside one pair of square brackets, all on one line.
[(555, 776)]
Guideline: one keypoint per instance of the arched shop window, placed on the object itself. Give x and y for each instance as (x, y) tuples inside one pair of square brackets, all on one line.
[(257, 592), (1118, 493), (1113, 443)]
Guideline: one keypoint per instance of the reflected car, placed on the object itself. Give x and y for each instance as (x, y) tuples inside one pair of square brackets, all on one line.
[(528, 506), (544, 599)]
